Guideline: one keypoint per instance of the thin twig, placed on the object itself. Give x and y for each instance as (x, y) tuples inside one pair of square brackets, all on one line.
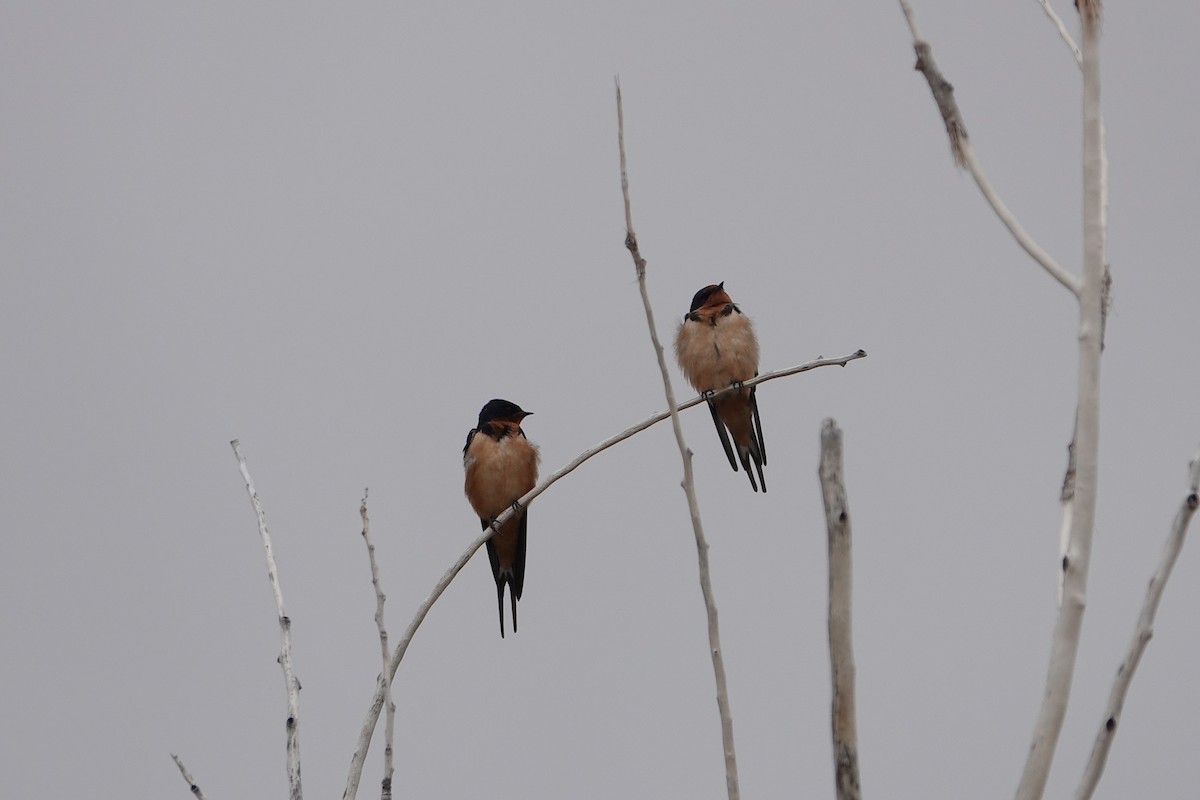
[(1062, 30), (1141, 634), (380, 599), (1014, 227), (291, 683), (841, 643), (187, 776), (1065, 643), (964, 154), (372, 715), (689, 484)]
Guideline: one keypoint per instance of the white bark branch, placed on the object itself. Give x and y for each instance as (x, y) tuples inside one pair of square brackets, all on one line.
[(844, 722), (1065, 643), (689, 484), (1062, 30), (291, 684), (187, 776), (1075, 51), (1091, 291), (385, 678), (964, 154), (1014, 227), (1067, 498), (372, 716), (1141, 635)]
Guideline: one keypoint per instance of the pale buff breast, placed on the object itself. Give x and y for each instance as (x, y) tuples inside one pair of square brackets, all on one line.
[(714, 356), (499, 472)]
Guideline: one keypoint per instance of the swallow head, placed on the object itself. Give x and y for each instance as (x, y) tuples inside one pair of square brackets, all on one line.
[(710, 295), (501, 410)]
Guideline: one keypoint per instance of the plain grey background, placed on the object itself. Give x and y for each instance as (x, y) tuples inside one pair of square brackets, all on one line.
[(335, 231)]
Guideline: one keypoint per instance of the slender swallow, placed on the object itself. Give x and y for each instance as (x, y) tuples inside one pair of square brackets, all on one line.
[(501, 466), (716, 347)]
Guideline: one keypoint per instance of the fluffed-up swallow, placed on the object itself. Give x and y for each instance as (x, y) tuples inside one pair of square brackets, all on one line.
[(716, 347), (501, 465)]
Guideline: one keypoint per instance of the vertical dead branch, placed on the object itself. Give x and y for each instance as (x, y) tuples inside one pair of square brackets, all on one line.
[(841, 642), (291, 683), (384, 676), (358, 759), (1141, 635), (689, 487), (1065, 644)]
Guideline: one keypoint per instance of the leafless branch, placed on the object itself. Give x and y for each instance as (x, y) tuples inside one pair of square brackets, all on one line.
[(1062, 30), (1065, 643), (942, 90), (1141, 634), (372, 716), (689, 484), (373, 711), (841, 642), (291, 683), (385, 678), (1075, 51), (964, 154), (1014, 227), (187, 776), (1091, 291)]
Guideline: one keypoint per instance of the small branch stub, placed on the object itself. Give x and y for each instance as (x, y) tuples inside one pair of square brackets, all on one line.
[(291, 683), (1089, 11), (187, 777)]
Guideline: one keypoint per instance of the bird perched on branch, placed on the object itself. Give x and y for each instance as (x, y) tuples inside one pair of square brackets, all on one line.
[(716, 347), (501, 465)]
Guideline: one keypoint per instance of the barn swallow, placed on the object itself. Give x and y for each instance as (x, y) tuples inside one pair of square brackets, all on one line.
[(501, 466), (716, 347)]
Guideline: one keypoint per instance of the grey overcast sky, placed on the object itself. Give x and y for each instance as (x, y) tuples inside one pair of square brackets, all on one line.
[(335, 230)]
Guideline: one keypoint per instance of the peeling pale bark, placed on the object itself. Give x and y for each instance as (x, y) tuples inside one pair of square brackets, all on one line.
[(291, 682), (843, 720)]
